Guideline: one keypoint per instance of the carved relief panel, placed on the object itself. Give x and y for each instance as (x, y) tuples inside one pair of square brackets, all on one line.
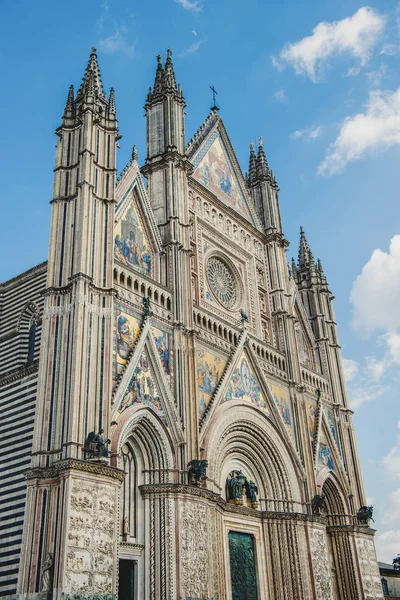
[(91, 541)]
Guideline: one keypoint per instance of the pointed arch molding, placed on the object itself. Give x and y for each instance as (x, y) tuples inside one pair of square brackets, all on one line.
[(325, 472), (136, 185), (275, 419), (141, 416), (252, 440), (147, 343)]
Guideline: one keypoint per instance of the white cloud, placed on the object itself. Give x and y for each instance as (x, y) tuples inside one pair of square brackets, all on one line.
[(280, 95), (194, 32), (392, 466), (356, 36), (365, 392), (350, 368), (372, 309), (393, 343), (192, 49), (378, 127), (375, 77), (309, 133), (388, 544), (364, 380), (117, 42), (192, 5)]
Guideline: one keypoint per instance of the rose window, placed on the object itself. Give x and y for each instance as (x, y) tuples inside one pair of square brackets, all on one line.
[(222, 282)]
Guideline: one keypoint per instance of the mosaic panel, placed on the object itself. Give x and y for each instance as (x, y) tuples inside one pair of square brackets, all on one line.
[(282, 401), (142, 389), (209, 371), (244, 386), (131, 245), (214, 171)]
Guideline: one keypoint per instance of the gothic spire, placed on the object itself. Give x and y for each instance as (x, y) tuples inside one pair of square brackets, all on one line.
[(169, 80), (262, 164), (91, 82), (111, 101), (305, 255), (294, 268), (252, 165), (158, 80), (69, 105)]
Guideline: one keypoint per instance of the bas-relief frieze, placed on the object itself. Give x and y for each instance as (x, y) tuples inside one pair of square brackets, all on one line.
[(369, 572), (321, 566), (91, 538), (195, 550)]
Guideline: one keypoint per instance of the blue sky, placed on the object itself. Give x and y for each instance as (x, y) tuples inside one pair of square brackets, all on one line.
[(320, 83)]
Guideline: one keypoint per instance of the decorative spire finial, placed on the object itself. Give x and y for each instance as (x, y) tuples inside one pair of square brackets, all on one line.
[(305, 255), (135, 154), (262, 164), (91, 82), (111, 101), (252, 165)]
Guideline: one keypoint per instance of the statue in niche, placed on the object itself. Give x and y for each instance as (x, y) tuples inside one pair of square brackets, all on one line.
[(197, 471), (96, 446), (47, 568), (236, 483), (251, 493)]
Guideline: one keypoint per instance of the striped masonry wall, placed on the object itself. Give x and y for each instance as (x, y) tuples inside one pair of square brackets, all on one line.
[(21, 306)]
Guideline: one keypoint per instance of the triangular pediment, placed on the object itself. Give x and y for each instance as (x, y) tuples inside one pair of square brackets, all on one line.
[(245, 386), (217, 169), (136, 237), (146, 379), (210, 367)]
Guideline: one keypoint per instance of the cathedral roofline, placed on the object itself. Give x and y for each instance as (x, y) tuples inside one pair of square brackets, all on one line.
[(25, 274)]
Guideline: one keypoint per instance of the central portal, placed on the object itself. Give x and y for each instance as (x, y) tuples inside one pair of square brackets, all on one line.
[(243, 566)]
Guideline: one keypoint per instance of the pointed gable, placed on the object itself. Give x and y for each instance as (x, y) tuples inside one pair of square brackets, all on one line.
[(245, 386), (131, 242), (217, 169), (214, 170), (210, 367)]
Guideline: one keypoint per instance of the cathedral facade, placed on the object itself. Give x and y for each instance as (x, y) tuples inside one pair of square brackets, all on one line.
[(175, 417)]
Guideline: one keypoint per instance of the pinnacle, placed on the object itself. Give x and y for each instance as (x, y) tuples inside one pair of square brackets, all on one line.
[(169, 80), (252, 165), (70, 98), (305, 254), (262, 164), (135, 154), (111, 101), (91, 82)]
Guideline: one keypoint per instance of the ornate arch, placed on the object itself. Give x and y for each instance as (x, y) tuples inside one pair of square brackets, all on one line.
[(153, 440), (240, 435), (335, 496)]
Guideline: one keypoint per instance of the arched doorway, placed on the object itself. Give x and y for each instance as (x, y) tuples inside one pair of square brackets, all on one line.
[(344, 580)]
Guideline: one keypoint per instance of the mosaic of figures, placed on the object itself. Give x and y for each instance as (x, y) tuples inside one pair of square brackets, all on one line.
[(325, 458), (214, 171), (304, 351), (127, 330), (131, 245), (282, 401), (330, 417), (311, 408), (225, 225), (245, 386), (209, 371), (142, 389)]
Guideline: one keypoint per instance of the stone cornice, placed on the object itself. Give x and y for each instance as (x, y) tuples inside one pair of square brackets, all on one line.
[(19, 373), (166, 489), (351, 529), (72, 464)]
